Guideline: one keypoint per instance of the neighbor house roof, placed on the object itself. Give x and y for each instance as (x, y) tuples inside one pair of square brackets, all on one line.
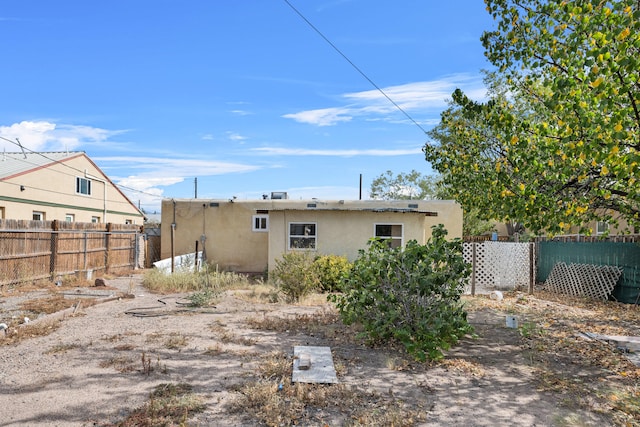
[(12, 164)]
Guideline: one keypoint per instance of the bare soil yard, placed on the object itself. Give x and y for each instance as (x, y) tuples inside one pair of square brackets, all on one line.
[(108, 364)]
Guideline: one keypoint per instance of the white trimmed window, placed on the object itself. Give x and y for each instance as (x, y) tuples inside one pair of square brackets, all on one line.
[(260, 223), (38, 216), (391, 233), (602, 227), (302, 235), (69, 217), (95, 219), (83, 186)]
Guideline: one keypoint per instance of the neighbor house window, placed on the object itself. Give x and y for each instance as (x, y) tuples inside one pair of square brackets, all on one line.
[(602, 227), (128, 221), (260, 223), (95, 219), (1, 212), (38, 216), (302, 235), (83, 186), (69, 217), (391, 233)]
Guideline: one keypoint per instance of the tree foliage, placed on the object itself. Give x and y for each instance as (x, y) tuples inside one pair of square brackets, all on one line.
[(412, 185), (426, 187), (411, 295), (557, 142)]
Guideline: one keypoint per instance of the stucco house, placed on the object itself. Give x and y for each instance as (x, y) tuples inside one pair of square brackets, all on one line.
[(63, 186), (248, 236)]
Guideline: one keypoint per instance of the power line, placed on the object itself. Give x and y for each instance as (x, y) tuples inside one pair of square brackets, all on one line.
[(354, 66)]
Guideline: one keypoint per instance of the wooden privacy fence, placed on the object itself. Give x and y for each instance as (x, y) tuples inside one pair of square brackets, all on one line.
[(37, 250)]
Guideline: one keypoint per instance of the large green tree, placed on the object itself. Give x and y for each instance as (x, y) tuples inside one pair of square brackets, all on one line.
[(412, 185), (557, 142)]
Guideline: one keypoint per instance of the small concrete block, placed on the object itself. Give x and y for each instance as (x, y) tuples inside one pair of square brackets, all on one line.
[(304, 364)]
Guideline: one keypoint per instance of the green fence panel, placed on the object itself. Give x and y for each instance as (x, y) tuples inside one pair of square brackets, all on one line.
[(625, 255)]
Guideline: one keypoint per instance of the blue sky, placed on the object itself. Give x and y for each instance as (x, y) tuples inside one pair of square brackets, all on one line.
[(242, 94)]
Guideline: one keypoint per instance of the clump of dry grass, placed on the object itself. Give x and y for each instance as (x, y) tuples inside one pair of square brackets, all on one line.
[(273, 400), (61, 348), (17, 333), (176, 341), (120, 363), (207, 278), (225, 336), (168, 405), (54, 304)]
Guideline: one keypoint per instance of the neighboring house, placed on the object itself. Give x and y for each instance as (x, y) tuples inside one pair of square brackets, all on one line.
[(250, 235), (63, 186)]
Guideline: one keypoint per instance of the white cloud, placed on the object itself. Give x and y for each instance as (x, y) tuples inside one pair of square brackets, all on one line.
[(157, 172), (428, 97), (322, 117), (240, 112), (280, 151), (47, 136), (235, 136), (161, 168)]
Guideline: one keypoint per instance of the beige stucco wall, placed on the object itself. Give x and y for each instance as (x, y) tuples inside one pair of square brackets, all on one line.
[(229, 241), (343, 227), (52, 190)]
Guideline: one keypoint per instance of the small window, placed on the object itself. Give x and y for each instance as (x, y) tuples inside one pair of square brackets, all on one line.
[(392, 233), (128, 221), (1, 212), (69, 217), (602, 227), (83, 186), (95, 219), (38, 216), (302, 235), (260, 223)]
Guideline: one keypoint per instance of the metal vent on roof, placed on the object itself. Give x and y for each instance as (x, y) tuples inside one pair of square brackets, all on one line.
[(275, 195)]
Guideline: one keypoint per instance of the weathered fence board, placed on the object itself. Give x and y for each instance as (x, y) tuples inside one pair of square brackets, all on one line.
[(36, 250)]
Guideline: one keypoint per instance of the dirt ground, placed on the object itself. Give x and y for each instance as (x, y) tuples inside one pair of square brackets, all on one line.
[(103, 361)]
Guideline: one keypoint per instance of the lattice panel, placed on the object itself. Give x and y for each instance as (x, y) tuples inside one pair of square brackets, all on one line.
[(499, 265), (594, 281)]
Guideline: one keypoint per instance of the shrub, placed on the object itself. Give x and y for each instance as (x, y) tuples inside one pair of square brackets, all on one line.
[(411, 295), (295, 275), (330, 270)]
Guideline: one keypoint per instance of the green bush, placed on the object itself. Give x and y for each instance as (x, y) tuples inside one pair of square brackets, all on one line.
[(295, 275), (330, 270), (411, 295)]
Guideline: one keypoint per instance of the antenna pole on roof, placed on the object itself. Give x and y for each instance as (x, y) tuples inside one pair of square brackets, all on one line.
[(21, 147)]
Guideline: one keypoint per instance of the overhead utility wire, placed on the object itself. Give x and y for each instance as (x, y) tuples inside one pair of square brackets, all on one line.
[(72, 168), (355, 66)]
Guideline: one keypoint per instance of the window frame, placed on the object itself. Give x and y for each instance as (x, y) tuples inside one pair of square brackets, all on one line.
[(254, 223), (313, 238), (79, 186), (95, 219), (392, 238), (604, 225), (69, 217), (42, 216)]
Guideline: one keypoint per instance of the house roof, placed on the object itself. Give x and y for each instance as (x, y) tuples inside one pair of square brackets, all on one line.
[(14, 164), (17, 163), (425, 207)]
